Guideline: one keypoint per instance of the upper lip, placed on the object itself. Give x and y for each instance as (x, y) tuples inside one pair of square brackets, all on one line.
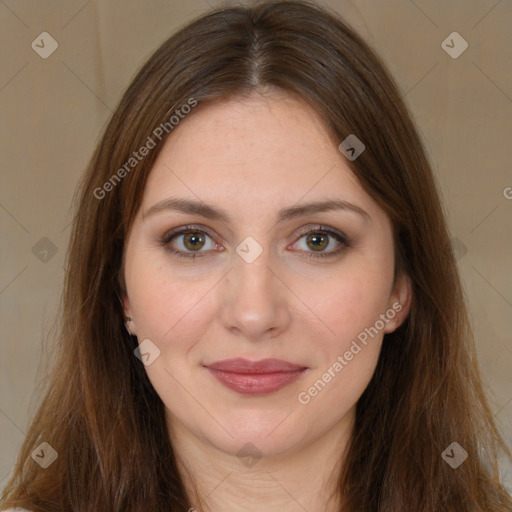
[(240, 365)]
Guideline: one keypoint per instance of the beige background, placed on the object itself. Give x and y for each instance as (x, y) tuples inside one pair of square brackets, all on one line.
[(54, 109)]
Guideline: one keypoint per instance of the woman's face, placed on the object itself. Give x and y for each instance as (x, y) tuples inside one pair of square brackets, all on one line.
[(259, 273)]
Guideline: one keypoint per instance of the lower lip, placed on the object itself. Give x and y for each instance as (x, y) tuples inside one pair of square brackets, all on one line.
[(256, 384)]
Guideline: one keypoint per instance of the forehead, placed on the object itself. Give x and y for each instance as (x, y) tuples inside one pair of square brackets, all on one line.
[(250, 153)]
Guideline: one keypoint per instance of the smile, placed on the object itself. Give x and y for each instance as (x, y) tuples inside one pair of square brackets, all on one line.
[(255, 377)]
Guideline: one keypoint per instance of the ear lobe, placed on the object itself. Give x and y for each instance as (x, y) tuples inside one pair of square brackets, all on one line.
[(126, 305), (130, 327), (399, 302), (129, 323)]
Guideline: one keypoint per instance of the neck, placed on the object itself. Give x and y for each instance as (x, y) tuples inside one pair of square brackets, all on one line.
[(306, 479)]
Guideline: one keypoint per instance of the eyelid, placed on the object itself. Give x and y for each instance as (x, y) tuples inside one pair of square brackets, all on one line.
[(321, 227), (182, 230), (341, 238), (188, 227), (305, 230)]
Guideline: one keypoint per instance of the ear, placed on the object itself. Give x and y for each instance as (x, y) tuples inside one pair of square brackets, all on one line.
[(129, 323), (400, 302)]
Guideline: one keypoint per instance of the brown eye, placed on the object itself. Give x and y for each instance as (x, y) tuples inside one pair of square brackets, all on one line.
[(189, 242), (317, 241), (194, 240), (322, 242)]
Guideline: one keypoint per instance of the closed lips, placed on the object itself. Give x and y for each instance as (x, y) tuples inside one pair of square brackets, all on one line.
[(264, 366)]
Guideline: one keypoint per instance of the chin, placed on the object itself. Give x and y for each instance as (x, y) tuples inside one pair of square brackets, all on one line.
[(268, 436)]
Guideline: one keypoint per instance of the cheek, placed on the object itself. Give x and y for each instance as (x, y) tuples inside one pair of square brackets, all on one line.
[(169, 311), (174, 314), (347, 357), (353, 302)]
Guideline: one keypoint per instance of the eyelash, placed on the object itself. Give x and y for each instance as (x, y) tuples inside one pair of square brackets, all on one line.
[(340, 237)]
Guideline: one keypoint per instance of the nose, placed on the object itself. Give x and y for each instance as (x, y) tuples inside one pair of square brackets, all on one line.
[(255, 300)]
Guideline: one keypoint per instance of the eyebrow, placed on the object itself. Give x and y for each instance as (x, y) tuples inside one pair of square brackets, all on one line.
[(193, 207)]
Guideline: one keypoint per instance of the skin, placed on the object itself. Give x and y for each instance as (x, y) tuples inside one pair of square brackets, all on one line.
[(251, 157)]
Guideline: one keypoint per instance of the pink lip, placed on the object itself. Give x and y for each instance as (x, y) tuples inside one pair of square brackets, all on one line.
[(255, 377), (240, 365)]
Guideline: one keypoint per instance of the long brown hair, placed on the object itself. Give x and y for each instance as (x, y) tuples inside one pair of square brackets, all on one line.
[(100, 412)]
